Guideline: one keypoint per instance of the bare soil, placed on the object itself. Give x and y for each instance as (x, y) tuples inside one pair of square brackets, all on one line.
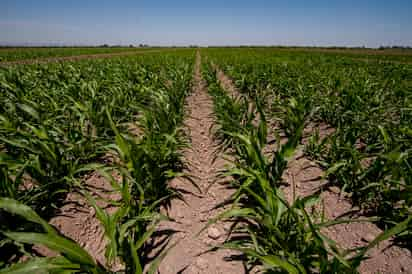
[(189, 256)]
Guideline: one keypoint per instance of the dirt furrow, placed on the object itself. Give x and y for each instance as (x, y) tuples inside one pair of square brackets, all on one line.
[(226, 82), (191, 215)]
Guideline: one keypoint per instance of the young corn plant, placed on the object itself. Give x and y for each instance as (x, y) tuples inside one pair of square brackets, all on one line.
[(278, 236), (72, 258), (238, 114), (129, 229), (269, 231), (147, 163), (357, 100), (87, 113), (126, 238)]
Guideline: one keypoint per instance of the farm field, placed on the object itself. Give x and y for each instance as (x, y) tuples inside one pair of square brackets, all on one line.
[(382, 55), (16, 54), (209, 160)]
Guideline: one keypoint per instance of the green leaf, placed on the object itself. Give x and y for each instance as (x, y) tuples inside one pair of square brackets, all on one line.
[(397, 229), (333, 169), (41, 265), (29, 110), (14, 207), (57, 243), (275, 261)]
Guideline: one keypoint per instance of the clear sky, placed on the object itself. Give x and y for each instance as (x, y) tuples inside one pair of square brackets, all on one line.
[(212, 22)]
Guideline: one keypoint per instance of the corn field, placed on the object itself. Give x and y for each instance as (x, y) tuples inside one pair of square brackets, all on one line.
[(123, 118)]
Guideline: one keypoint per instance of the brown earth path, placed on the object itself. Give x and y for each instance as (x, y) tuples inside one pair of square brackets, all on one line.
[(77, 57), (188, 256), (304, 178)]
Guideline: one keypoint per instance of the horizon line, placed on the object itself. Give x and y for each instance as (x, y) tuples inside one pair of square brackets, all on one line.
[(142, 45)]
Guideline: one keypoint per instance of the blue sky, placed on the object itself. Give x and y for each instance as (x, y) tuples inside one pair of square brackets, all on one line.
[(212, 22)]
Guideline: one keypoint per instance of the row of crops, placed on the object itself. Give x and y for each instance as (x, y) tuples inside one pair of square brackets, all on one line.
[(118, 117), (399, 56), (368, 154), (389, 55), (16, 54), (122, 118)]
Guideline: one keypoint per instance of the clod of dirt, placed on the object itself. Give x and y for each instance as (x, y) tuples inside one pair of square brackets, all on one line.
[(180, 214), (214, 233), (204, 217), (202, 263), (368, 237), (227, 226)]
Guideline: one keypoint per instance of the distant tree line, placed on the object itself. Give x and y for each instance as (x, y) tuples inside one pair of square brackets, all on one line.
[(394, 47), (122, 46)]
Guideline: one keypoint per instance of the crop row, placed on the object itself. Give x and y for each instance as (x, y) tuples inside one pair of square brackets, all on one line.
[(16, 54), (60, 122), (368, 105), (367, 155)]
